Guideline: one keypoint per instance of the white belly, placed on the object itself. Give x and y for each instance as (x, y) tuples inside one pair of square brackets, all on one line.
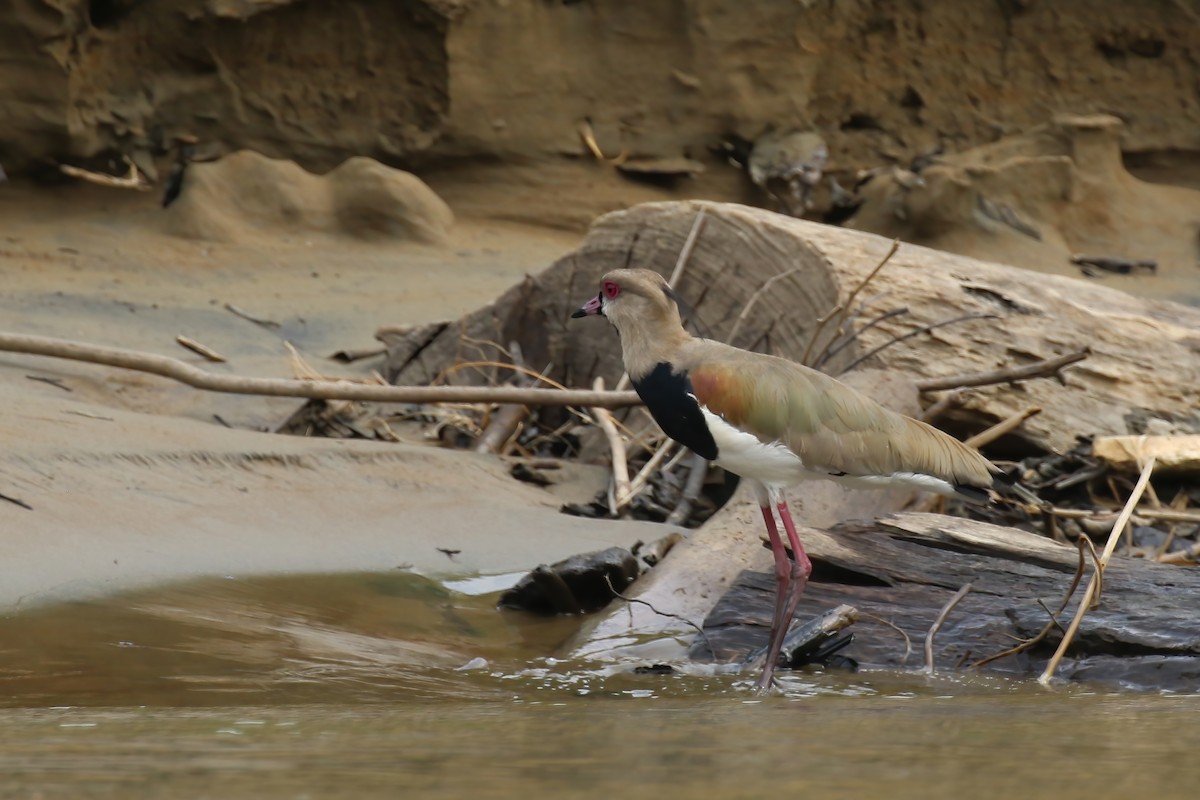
[(774, 465)]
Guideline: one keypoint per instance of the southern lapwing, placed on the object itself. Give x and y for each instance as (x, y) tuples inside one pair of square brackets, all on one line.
[(774, 423)]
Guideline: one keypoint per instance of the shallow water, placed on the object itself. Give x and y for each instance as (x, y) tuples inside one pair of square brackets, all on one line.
[(347, 685)]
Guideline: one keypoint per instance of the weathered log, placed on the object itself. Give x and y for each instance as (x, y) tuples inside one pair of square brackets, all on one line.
[(900, 570), (1144, 361)]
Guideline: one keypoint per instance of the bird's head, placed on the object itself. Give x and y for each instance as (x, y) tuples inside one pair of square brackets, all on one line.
[(634, 298)]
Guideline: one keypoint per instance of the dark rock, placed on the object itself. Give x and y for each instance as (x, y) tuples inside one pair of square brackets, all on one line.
[(579, 584)]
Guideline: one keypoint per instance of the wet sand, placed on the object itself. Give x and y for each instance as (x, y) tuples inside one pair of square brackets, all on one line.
[(132, 480)]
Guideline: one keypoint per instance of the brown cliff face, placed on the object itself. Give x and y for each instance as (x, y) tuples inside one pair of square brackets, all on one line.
[(428, 80)]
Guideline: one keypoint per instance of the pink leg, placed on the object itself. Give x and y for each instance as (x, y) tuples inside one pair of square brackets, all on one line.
[(801, 567), (784, 572)]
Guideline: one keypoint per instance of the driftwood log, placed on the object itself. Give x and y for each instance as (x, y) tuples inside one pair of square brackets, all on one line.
[(1143, 364)]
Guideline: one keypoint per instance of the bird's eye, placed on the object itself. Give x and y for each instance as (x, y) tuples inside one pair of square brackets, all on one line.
[(611, 290)]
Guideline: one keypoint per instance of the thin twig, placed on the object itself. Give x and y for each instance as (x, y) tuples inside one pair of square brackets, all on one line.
[(1040, 369), (845, 305), (849, 338), (907, 641), (821, 323), (55, 382), (620, 467), (316, 389), (937, 624), (686, 251), (917, 332), (1002, 427), (684, 620), (16, 501), (1052, 624), (1090, 592)]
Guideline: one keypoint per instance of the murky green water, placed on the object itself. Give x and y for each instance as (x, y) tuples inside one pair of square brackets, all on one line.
[(347, 686)]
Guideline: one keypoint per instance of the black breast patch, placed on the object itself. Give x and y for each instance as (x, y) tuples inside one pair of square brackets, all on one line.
[(673, 405)]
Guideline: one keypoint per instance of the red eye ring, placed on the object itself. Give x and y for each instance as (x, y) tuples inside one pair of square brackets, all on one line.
[(611, 289)]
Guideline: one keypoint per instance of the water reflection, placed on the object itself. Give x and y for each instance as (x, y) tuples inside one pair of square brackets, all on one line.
[(348, 685)]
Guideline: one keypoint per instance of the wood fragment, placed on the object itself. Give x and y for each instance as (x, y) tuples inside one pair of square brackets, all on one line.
[(937, 624), (1171, 453), (196, 347), (616, 446), (1086, 602), (313, 389), (1040, 369)]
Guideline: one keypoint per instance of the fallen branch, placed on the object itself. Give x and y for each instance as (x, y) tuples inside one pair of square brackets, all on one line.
[(312, 389), (1089, 593), (1002, 427), (937, 624), (1040, 369)]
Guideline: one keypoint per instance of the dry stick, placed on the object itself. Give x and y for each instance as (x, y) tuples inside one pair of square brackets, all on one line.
[(620, 467), (1164, 514), (937, 624), (737, 323), (845, 305), (1090, 592), (1002, 427), (321, 390), (685, 253), (917, 332), (508, 418), (1050, 366), (196, 347)]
